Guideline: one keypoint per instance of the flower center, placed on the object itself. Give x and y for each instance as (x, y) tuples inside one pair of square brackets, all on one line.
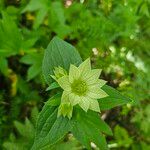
[(79, 87)]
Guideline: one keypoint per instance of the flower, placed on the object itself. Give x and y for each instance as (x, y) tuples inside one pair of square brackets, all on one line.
[(65, 109), (82, 86)]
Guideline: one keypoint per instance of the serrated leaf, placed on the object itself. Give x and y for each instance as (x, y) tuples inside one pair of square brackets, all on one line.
[(59, 53), (114, 99), (9, 30), (87, 131), (50, 129)]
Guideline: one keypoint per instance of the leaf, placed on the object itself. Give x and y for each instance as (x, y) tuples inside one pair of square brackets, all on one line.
[(13, 145), (114, 99), (33, 71), (50, 129), (34, 115), (95, 119), (42, 8), (8, 30), (55, 100), (52, 86), (3, 66), (26, 130), (35, 60), (57, 20), (59, 53), (87, 128), (122, 137)]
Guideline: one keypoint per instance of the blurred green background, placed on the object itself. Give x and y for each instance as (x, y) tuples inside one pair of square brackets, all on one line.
[(114, 33)]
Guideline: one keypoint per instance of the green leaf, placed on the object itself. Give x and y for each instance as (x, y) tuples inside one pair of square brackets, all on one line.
[(10, 37), (122, 137), (57, 20), (50, 129), (114, 99), (42, 8), (26, 130), (55, 100), (33, 71), (35, 60), (34, 115), (59, 53), (87, 128), (3, 66), (52, 86), (95, 119)]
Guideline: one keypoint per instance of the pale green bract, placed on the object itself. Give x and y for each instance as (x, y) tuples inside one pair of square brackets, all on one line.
[(58, 73), (82, 86), (65, 109)]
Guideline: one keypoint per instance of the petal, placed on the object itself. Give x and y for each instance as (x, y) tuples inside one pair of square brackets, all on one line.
[(94, 105), (85, 67), (74, 99), (98, 84), (84, 103), (97, 93), (101, 82), (65, 97), (64, 83), (74, 73), (93, 76)]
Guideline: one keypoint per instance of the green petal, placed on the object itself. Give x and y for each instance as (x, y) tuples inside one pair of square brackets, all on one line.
[(94, 105), (85, 67), (93, 76), (101, 82), (98, 84), (65, 97), (84, 103), (97, 93), (74, 99), (64, 83), (74, 73)]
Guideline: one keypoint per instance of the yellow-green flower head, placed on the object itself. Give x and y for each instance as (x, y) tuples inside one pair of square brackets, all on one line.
[(65, 109), (82, 86)]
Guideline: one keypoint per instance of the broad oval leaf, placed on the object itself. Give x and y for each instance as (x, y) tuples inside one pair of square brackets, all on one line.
[(59, 53)]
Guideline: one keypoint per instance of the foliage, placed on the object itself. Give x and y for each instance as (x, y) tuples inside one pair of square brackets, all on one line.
[(115, 34), (51, 128)]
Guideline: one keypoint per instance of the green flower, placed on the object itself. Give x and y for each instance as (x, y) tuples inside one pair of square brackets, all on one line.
[(65, 109), (82, 86)]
